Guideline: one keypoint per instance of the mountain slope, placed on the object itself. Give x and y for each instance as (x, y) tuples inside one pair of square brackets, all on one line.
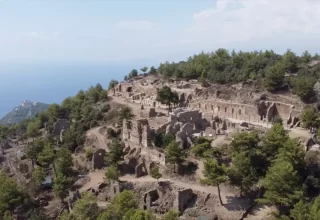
[(27, 109)]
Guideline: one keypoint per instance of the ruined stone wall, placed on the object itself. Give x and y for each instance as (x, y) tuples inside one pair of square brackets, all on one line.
[(192, 117), (98, 159), (182, 199), (138, 134), (246, 112)]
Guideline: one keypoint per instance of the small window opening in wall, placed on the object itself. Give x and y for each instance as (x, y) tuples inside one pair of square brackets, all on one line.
[(261, 117), (232, 111), (218, 108), (190, 118), (239, 111), (199, 105), (211, 107), (225, 109)]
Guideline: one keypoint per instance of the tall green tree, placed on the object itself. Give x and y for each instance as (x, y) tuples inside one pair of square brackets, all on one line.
[(152, 71), (85, 208), (120, 205), (315, 209), (33, 129), (38, 175), (310, 118), (34, 149), (290, 61), (168, 97), (301, 211), (174, 154), (144, 69), (306, 57), (274, 77), (63, 161), (112, 84), (242, 173), (125, 113), (47, 156), (155, 173), (61, 184), (112, 173), (11, 195), (273, 140), (282, 186), (215, 175), (133, 73), (303, 87), (292, 151), (116, 152)]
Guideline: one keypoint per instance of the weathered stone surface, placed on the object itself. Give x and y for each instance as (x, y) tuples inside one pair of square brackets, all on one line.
[(98, 159), (183, 197), (316, 89)]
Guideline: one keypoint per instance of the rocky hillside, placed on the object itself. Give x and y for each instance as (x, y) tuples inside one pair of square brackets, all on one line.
[(27, 109)]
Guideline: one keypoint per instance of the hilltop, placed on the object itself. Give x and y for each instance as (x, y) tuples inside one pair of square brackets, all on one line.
[(177, 145), (27, 109)]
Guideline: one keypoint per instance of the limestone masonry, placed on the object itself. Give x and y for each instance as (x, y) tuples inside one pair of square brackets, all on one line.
[(202, 111)]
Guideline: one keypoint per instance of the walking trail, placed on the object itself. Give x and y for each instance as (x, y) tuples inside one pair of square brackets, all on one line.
[(101, 139)]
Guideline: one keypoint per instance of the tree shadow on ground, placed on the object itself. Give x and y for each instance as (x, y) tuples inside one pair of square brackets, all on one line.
[(188, 168), (235, 203)]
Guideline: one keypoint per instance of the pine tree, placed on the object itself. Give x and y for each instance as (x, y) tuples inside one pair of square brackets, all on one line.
[(215, 175), (174, 154), (282, 185)]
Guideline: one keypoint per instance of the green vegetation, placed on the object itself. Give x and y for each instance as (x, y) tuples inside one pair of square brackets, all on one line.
[(116, 152), (168, 97), (112, 84), (215, 175), (28, 110), (112, 174), (11, 196), (174, 154), (265, 68), (310, 118), (162, 140), (155, 173), (171, 215), (202, 147)]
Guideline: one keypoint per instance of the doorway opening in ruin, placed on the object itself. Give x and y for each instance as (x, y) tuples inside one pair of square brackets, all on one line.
[(218, 108), (211, 107), (239, 111), (129, 89), (232, 110), (199, 105), (225, 109), (261, 117), (154, 104)]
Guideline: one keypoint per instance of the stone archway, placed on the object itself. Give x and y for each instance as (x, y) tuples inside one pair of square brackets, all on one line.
[(129, 89)]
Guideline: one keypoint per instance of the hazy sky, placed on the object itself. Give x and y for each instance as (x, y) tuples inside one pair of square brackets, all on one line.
[(123, 31)]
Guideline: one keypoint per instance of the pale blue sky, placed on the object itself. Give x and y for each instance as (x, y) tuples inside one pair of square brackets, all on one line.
[(152, 30), (51, 49)]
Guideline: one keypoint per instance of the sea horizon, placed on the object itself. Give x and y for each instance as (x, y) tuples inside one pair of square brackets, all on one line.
[(52, 83)]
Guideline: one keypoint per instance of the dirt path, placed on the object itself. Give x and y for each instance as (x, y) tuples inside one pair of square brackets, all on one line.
[(293, 132), (136, 107), (95, 179), (101, 139), (207, 189)]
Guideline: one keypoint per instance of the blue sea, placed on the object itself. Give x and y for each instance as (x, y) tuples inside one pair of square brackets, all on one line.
[(51, 83)]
